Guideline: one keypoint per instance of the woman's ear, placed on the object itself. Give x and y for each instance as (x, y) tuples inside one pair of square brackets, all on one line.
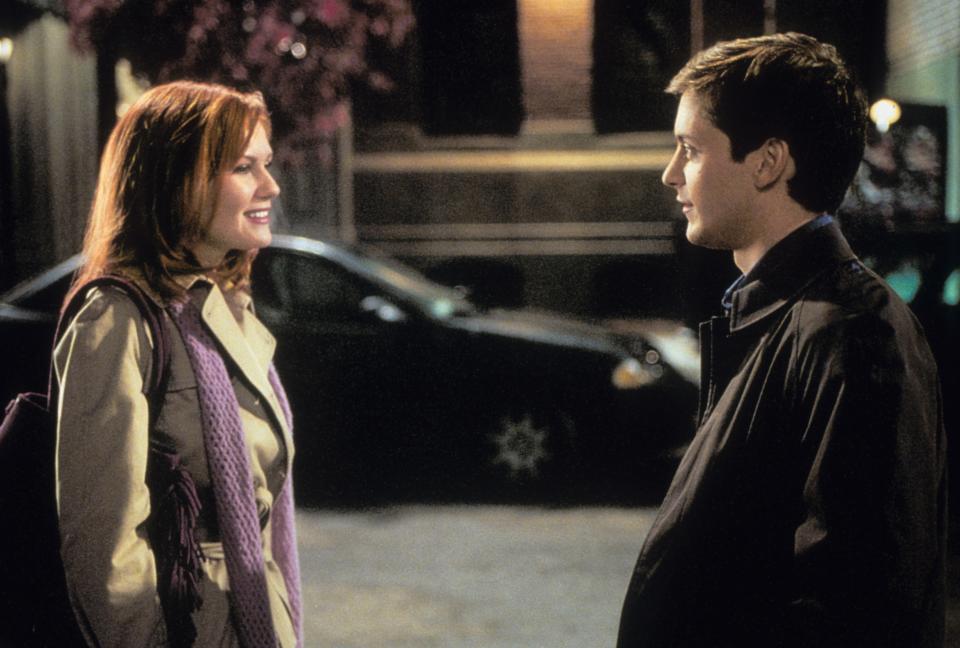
[(773, 163)]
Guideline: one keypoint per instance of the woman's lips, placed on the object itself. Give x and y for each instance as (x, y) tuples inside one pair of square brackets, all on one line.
[(259, 216)]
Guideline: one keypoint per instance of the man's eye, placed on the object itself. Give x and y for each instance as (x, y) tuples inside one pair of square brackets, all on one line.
[(688, 151)]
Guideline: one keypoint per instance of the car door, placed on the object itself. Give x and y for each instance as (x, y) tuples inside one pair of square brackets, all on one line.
[(348, 354)]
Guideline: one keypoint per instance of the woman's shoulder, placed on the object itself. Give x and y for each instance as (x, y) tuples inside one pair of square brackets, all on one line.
[(109, 319), (107, 327), (102, 299), (106, 302)]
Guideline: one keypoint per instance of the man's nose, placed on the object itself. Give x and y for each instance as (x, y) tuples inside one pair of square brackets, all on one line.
[(673, 175)]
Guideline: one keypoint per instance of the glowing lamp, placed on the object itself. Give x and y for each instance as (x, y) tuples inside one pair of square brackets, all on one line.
[(6, 49), (883, 113)]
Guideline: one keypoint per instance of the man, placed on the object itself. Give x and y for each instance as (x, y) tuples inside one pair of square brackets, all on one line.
[(810, 507)]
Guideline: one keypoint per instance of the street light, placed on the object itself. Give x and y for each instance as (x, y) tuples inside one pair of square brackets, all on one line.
[(883, 113), (6, 49)]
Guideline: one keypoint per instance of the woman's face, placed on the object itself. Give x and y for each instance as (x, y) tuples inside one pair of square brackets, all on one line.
[(244, 192)]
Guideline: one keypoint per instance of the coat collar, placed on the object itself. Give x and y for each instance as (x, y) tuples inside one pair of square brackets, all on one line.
[(251, 357), (785, 270), (250, 346)]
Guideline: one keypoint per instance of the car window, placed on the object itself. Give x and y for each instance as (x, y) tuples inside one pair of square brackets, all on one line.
[(307, 288)]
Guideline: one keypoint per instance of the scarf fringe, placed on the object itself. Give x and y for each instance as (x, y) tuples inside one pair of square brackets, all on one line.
[(173, 526)]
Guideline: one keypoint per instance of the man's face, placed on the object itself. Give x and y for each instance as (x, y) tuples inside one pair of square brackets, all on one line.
[(716, 193)]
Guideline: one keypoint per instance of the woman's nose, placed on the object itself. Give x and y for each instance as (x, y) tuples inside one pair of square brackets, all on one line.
[(268, 186)]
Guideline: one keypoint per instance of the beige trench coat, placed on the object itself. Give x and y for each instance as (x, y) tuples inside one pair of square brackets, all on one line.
[(102, 444)]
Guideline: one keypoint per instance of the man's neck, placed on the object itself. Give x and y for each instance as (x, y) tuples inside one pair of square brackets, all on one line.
[(780, 224)]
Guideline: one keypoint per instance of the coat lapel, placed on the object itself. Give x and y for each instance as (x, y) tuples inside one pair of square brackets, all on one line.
[(251, 363)]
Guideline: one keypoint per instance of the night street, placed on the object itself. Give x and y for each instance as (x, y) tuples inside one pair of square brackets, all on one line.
[(448, 298), (457, 577), (477, 577)]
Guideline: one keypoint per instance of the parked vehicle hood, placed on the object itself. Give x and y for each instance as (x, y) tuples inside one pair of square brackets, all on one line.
[(543, 327)]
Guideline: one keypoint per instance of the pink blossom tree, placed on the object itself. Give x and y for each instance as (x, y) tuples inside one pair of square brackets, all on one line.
[(305, 55)]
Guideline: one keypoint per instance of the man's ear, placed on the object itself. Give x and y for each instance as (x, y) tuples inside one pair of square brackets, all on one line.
[(773, 163)]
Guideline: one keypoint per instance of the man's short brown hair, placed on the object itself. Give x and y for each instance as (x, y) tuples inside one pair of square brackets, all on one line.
[(791, 87)]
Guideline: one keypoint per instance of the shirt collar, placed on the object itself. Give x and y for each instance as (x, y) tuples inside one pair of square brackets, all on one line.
[(237, 299), (188, 281), (785, 269), (727, 300)]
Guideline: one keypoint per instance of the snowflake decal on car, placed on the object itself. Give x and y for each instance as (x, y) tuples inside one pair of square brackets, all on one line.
[(521, 446)]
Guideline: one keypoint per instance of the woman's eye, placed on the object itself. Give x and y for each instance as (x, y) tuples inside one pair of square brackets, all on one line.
[(242, 168)]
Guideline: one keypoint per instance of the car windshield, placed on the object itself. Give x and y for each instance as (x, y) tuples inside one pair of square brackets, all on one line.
[(440, 301)]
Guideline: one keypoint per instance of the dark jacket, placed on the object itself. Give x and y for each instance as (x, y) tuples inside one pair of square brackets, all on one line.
[(810, 507)]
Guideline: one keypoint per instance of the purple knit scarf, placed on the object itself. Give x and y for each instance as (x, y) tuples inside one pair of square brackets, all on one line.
[(232, 482), (284, 529)]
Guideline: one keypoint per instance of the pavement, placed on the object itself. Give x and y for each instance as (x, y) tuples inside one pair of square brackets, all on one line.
[(425, 576), (467, 577)]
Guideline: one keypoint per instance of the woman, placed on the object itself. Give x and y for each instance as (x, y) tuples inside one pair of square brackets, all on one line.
[(182, 204)]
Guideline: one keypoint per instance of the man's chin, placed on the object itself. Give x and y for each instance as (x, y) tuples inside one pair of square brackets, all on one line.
[(696, 236)]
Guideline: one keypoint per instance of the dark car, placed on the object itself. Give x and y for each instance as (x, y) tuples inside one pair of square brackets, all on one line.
[(403, 388)]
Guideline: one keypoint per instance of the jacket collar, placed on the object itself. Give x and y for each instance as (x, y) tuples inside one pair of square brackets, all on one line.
[(221, 314), (252, 358), (785, 270), (250, 347)]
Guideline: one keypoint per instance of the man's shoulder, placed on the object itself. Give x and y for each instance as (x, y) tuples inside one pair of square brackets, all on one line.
[(849, 289), (851, 302)]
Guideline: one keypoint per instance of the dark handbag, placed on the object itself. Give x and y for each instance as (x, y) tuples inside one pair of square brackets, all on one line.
[(35, 609)]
